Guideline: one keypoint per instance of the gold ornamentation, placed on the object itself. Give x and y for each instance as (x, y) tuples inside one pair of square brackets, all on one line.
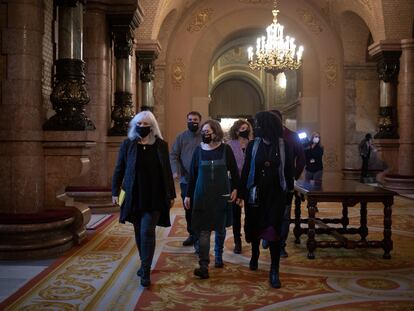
[(177, 72), (378, 284), (367, 4), (199, 20), (331, 72), (331, 158), (310, 20)]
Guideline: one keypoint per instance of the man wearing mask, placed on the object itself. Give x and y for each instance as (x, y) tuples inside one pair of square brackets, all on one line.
[(180, 158)]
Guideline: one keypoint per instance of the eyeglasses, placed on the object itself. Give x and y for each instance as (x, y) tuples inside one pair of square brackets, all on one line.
[(207, 132)]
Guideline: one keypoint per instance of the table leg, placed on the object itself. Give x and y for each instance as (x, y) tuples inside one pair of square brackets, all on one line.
[(387, 243), (345, 219), (363, 229), (311, 243), (296, 229)]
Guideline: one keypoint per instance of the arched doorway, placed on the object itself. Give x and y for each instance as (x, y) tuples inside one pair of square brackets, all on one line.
[(235, 97)]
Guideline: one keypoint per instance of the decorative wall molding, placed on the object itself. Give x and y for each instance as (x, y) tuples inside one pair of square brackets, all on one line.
[(330, 158), (199, 20), (331, 72), (367, 4), (313, 23), (177, 72), (256, 1)]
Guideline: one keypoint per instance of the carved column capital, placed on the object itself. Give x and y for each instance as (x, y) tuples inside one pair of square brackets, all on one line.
[(146, 61), (387, 54), (123, 38), (69, 3)]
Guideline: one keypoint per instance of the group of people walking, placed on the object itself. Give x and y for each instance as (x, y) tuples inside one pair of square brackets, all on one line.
[(255, 169)]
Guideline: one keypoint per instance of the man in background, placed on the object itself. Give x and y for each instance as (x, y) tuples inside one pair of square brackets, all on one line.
[(180, 158)]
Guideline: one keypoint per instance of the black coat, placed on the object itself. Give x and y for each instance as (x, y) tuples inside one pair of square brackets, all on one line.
[(124, 174)]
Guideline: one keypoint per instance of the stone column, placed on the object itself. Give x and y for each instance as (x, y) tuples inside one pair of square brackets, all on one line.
[(21, 115), (406, 108), (122, 112), (402, 180), (146, 56), (69, 95), (387, 54)]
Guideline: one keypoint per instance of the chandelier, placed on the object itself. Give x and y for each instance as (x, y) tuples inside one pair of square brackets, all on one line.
[(275, 53)]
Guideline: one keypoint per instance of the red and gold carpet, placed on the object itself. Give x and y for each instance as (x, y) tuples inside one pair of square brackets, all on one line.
[(101, 275)]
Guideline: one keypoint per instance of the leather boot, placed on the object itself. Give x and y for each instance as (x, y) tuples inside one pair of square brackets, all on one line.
[(145, 278), (274, 280), (201, 272), (237, 245), (254, 260)]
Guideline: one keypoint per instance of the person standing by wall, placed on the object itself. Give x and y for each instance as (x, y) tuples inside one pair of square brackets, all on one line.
[(180, 158), (266, 177), (144, 172), (314, 154), (240, 135), (365, 150), (210, 189)]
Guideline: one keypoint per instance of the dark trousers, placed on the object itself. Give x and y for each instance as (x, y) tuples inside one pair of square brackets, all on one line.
[(188, 212), (144, 228), (204, 240), (236, 221), (364, 169), (284, 231)]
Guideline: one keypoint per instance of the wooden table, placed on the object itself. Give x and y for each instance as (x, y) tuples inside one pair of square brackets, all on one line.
[(349, 193)]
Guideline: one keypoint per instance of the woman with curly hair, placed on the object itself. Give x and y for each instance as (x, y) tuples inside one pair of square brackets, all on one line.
[(240, 134)]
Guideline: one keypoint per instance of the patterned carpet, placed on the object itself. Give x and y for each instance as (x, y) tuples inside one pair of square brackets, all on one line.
[(101, 275)]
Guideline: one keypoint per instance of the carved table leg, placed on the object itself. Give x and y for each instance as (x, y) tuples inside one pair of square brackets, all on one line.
[(296, 229), (311, 243), (387, 243), (363, 230)]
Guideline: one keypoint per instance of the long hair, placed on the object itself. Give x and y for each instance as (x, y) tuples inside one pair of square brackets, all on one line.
[(270, 126), (148, 117), (236, 126), (216, 127)]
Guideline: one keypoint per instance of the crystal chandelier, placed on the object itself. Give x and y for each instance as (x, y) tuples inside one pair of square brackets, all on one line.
[(275, 53)]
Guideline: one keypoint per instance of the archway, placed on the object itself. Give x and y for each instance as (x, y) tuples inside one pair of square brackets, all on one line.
[(235, 97)]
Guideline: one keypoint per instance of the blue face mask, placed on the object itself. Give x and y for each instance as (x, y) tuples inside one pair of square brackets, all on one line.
[(143, 131)]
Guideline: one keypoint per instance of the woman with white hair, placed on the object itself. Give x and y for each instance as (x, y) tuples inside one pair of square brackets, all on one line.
[(144, 172)]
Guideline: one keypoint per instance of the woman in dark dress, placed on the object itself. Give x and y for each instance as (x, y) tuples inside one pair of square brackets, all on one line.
[(211, 191), (143, 170), (266, 176)]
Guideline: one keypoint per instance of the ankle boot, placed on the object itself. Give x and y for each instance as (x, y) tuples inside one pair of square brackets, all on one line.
[(237, 245), (274, 280), (218, 262), (253, 265), (139, 272), (145, 278), (201, 272)]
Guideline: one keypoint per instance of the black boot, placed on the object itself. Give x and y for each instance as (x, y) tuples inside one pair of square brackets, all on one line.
[(145, 278), (274, 266), (139, 272), (254, 261), (237, 245), (201, 272)]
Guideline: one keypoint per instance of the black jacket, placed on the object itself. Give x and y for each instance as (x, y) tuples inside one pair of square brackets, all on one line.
[(124, 174)]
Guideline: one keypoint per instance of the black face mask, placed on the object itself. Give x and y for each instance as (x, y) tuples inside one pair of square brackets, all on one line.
[(206, 138), (244, 134), (143, 131), (192, 126), (258, 132)]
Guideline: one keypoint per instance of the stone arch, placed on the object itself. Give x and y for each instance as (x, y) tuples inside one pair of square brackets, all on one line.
[(355, 36), (323, 65)]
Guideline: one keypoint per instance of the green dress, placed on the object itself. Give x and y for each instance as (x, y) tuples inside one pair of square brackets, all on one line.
[(211, 208)]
